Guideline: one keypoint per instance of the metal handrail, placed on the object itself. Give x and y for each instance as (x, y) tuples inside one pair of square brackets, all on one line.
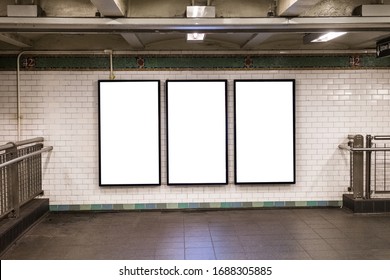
[(382, 137), (345, 147), (21, 143), (16, 190), (360, 158), (15, 160)]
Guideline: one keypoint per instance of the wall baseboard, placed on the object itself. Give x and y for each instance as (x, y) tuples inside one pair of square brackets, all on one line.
[(191, 205)]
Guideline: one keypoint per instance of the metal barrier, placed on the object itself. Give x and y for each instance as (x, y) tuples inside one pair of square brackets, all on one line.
[(369, 166), (20, 174)]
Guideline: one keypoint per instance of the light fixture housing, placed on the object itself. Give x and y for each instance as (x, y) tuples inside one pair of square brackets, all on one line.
[(321, 37), (195, 37), (199, 12)]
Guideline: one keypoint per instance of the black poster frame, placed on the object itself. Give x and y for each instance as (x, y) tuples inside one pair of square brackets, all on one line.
[(118, 149), (239, 181), (225, 108)]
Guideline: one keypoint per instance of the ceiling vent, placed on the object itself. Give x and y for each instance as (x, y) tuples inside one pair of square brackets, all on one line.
[(199, 12), (24, 11), (21, 9), (378, 10)]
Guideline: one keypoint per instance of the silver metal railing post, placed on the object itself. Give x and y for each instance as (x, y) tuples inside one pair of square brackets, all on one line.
[(368, 166)]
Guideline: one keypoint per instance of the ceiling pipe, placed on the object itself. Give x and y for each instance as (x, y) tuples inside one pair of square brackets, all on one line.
[(112, 76), (184, 25), (18, 91), (253, 52)]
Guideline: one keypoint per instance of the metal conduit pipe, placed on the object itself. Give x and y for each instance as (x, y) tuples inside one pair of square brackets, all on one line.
[(112, 76), (18, 91), (251, 52)]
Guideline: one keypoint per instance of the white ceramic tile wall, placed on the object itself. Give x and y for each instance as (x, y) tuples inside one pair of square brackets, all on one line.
[(62, 106)]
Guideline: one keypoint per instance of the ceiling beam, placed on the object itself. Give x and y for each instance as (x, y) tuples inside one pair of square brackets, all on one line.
[(15, 40), (256, 40), (111, 8), (133, 40), (184, 25), (294, 7)]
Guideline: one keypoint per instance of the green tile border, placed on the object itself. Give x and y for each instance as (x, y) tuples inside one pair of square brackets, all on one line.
[(193, 62), (194, 205)]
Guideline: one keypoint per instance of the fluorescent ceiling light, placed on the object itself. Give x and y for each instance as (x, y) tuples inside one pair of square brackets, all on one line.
[(200, 12), (195, 37), (327, 37)]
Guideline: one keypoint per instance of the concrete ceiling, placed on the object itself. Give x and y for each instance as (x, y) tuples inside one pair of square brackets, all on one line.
[(153, 25)]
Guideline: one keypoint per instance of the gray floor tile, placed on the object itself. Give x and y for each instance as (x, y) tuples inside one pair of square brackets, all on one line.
[(198, 244), (275, 234), (231, 256), (206, 253), (225, 238), (325, 255), (200, 251), (330, 233), (191, 239), (200, 257), (315, 245)]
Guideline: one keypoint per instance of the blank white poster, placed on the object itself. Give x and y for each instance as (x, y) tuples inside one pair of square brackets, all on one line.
[(196, 121), (264, 131), (129, 132)]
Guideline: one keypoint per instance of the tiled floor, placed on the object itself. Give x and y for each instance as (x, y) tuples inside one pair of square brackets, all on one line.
[(235, 234)]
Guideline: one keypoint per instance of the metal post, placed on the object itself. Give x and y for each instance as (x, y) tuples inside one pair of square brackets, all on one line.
[(13, 180), (368, 166), (357, 173), (384, 171), (350, 144), (375, 169)]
